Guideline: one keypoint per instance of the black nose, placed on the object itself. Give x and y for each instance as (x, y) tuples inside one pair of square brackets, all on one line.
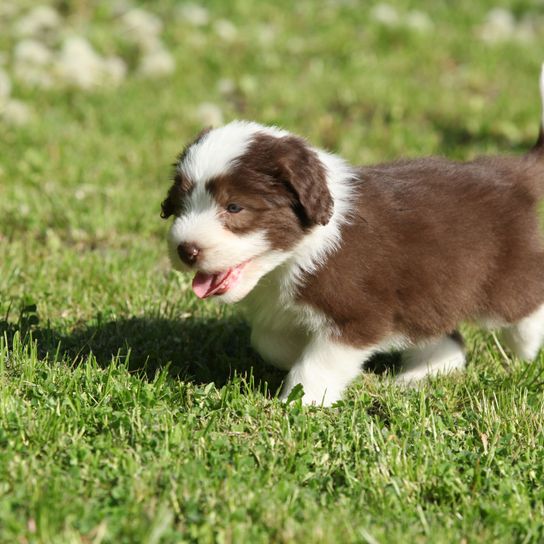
[(188, 252)]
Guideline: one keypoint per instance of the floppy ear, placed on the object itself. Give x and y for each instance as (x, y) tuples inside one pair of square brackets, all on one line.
[(168, 206), (301, 168)]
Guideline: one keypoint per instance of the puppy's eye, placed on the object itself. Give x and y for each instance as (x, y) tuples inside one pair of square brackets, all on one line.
[(234, 208)]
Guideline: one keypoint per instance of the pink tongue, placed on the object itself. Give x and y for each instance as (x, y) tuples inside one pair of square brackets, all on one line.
[(203, 284)]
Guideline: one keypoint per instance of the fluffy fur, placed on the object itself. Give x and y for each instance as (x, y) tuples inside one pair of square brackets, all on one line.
[(334, 263)]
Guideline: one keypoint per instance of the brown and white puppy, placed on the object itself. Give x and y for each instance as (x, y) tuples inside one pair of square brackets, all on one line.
[(335, 263)]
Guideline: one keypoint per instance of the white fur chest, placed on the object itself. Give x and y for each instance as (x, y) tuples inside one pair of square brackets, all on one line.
[(278, 331)]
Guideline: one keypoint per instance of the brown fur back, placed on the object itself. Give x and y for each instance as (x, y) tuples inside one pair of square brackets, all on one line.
[(435, 242)]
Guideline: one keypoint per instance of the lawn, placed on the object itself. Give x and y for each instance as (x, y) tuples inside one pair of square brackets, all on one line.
[(130, 411)]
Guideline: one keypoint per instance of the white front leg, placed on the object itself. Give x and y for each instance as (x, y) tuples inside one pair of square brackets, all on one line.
[(324, 370), (279, 348)]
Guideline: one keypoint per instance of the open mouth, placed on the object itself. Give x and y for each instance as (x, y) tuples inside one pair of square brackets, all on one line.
[(206, 285)]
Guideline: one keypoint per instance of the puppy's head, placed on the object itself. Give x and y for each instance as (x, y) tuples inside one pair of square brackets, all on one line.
[(242, 198)]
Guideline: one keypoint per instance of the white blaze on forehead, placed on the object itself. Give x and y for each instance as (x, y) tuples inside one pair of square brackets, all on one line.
[(200, 201), (200, 221), (214, 154)]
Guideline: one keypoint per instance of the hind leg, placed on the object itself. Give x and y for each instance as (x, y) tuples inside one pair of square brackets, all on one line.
[(525, 337), (439, 356)]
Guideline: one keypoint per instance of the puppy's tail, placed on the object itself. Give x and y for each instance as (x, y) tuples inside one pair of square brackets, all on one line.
[(535, 172), (538, 148)]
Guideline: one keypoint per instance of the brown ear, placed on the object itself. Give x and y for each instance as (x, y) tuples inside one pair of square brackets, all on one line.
[(166, 209), (173, 203), (169, 205), (301, 168)]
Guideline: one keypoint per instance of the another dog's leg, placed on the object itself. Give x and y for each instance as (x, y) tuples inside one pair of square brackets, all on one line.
[(324, 370), (525, 337), (436, 357)]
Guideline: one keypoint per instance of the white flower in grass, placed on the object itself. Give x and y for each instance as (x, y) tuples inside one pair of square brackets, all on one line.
[(209, 114), (32, 52), (149, 43), (194, 14), (385, 14), (225, 30), (226, 86), (79, 64), (16, 113), (40, 19), (499, 25), (418, 21), (141, 23), (5, 86), (34, 77), (8, 10), (32, 63), (157, 63), (114, 70)]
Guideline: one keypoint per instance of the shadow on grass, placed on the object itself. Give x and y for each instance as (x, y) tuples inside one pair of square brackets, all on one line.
[(195, 350)]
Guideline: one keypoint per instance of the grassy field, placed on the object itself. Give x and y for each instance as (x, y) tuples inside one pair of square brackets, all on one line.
[(132, 412)]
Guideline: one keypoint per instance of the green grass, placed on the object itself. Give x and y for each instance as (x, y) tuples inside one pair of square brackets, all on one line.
[(131, 412)]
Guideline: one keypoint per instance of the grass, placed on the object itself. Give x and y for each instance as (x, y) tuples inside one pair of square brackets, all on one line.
[(131, 412)]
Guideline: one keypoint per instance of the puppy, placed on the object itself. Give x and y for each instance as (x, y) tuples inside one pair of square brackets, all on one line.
[(334, 263)]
